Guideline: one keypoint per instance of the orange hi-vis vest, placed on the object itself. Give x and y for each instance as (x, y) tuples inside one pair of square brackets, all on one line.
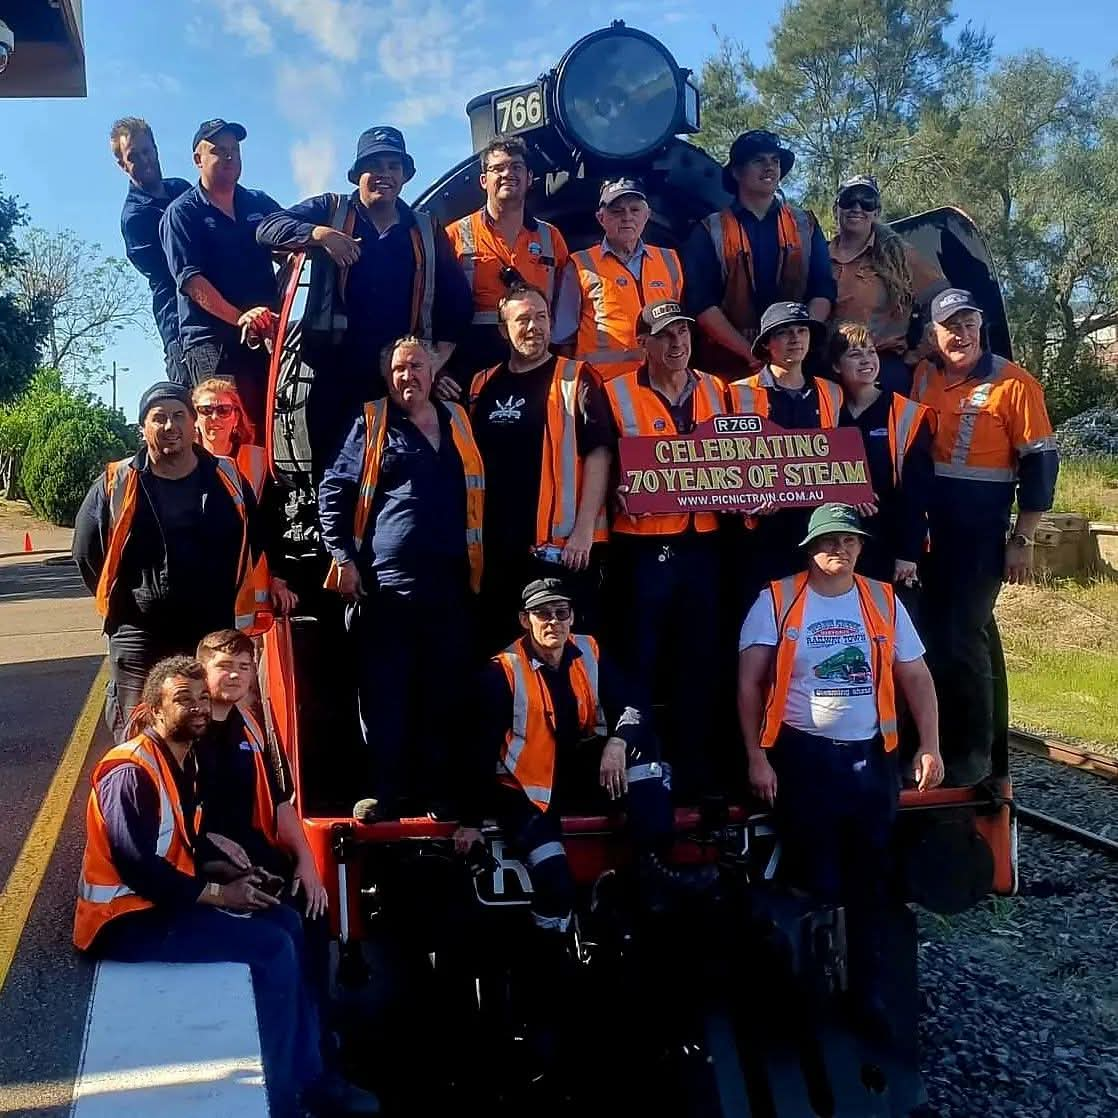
[(252, 461), (376, 435), (561, 472), (750, 396), (795, 229), (984, 425), (539, 255), (102, 895), (263, 809), (528, 756), (611, 301), (905, 418), (640, 410), (879, 615), (253, 611)]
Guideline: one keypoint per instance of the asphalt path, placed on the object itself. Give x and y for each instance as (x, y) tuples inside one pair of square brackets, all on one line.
[(51, 650)]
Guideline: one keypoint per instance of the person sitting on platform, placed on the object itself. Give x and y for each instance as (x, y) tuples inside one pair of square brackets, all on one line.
[(142, 899)]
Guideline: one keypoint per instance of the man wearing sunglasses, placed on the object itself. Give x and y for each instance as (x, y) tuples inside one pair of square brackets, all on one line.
[(380, 271), (561, 724), (881, 279), (757, 251), (498, 246)]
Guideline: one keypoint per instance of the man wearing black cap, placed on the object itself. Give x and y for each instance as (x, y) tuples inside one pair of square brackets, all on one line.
[(604, 287), (993, 446), (568, 736), (498, 246), (758, 250), (226, 283), (167, 541), (665, 568), (149, 195), (372, 294)]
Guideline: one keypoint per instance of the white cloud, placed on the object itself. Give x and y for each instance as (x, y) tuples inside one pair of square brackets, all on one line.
[(313, 164), (336, 27), (247, 22), (304, 91)]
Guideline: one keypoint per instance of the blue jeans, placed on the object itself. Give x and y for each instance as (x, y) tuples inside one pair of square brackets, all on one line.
[(271, 943)]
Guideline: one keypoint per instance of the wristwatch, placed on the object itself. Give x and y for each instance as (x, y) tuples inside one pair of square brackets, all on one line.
[(214, 889), (1019, 539)]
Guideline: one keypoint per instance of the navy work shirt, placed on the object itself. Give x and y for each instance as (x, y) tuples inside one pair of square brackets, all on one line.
[(416, 539), (378, 294), (200, 240), (703, 284), (139, 225)]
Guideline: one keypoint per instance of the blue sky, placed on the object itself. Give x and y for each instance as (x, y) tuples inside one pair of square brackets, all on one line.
[(306, 76)]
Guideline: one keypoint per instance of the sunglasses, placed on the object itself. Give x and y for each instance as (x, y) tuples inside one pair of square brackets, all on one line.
[(222, 411), (859, 202), (559, 613)]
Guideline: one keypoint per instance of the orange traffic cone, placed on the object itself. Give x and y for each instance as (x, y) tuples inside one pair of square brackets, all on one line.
[(27, 542)]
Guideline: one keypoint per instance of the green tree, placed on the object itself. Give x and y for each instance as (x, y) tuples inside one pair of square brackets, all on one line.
[(22, 324), (847, 83)]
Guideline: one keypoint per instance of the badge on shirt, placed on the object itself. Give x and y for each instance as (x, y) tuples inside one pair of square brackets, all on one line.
[(879, 433), (659, 425), (657, 283), (622, 281), (209, 222), (535, 248), (255, 217), (508, 411), (245, 747)]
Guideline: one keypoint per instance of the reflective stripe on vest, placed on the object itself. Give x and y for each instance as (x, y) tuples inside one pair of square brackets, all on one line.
[(376, 434), (750, 396), (612, 299), (528, 756), (879, 616), (263, 808), (795, 234), (253, 463), (636, 409), (252, 612), (561, 469), (905, 417), (423, 293)]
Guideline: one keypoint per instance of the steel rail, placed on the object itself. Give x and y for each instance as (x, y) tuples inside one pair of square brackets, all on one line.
[(1064, 753)]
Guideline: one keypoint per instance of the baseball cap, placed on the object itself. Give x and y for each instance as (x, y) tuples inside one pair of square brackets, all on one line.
[(165, 390), (543, 591), (833, 519), (655, 316), (951, 301), (618, 188), (864, 183), (210, 128)]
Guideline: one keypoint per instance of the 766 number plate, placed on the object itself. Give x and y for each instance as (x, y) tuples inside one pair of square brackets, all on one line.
[(520, 110)]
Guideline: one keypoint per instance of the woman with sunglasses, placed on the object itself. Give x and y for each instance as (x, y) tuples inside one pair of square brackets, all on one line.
[(881, 279), (225, 430)]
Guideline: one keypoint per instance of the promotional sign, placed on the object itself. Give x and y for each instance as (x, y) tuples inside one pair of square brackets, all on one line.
[(736, 462)]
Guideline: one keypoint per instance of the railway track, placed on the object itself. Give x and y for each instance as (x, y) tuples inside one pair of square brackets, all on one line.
[(1071, 756)]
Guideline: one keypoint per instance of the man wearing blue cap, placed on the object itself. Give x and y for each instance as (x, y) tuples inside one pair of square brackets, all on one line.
[(226, 282), (385, 271), (757, 251)]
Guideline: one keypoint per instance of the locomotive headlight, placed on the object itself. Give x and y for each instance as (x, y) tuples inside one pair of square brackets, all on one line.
[(619, 94)]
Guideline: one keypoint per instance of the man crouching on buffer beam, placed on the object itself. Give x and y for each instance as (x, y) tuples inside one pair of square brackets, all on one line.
[(821, 653), (554, 713)]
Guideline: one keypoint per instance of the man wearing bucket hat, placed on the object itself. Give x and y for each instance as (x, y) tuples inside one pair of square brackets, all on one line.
[(380, 271), (993, 446), (757, 251), (168, 542), (225, 280), (821, 654), (786, 394)]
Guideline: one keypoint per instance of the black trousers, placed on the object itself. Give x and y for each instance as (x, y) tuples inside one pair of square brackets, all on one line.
[(247, 368), (133, 652), (664, 633), (536, 837), (962, 577), (406, 699)]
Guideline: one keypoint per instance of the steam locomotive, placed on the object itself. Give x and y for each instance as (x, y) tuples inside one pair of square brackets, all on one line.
[(728, 1011)]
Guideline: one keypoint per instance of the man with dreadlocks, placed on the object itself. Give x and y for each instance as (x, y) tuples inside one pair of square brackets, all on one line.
[(882, 280)]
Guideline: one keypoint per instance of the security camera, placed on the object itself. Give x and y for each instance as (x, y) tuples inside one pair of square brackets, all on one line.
[(7, 45)]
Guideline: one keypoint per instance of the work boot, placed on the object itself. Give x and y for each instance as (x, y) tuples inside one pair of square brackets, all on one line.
[(662, 886), (333, 1095)]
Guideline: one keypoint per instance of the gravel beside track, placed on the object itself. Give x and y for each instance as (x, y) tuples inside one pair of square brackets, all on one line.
[(1019, 997)]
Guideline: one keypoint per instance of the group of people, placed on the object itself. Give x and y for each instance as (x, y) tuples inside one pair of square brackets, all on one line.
[(524, 645)]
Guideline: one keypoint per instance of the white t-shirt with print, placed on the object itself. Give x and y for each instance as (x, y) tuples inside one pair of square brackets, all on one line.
[(832, 687)]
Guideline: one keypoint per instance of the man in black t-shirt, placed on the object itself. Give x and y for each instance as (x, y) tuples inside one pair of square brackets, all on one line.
[(543, 427)]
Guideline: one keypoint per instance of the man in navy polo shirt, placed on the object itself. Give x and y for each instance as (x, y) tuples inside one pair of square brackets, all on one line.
[(226, 283), (149, 195), (375, 242)]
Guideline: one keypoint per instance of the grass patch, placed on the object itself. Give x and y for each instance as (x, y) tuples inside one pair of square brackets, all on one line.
[(1062, 656), (1088, 486)]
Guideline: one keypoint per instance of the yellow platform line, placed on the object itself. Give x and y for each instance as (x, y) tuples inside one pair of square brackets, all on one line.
[(23, 883)]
